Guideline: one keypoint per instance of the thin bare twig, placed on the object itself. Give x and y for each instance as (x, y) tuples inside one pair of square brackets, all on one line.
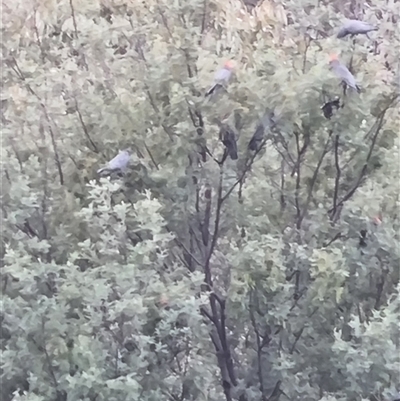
[(337, 178), (182, 245), (84, 127), (259, 351), (363, 171), (296, 339), (151, 156), (203, 22), (73, 18), (297, 169), (307, 40), (246, 169), (282, 187), (313, 181), (336, 237), (48, 360), (38, 37)]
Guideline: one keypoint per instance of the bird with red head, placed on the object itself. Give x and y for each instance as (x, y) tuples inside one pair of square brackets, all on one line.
[(221, 77), (343, 72)]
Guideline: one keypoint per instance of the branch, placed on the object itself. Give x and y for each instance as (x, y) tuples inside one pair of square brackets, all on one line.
[(204, 311), (205, 225), (225, 345), (379, 288), (193, 235), (276, 392), (60, 394), (282, 187), (217, 316), (300, 151), (181, 259), (56, 155), (27, 229), (336, 237), (363, 171), (45, 187), (73, 18), (259, 351), (37, 37), (165, 22), (203, 22), (157, 110), (296, 169), (296, 339), (84, 127), (337, 178), (151, 156), (313, 181), (226, 384), (307, 40), (246, 169), (285, 146), (207, 272), (180, 243)]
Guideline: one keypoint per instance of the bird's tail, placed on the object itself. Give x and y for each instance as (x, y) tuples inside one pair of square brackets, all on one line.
[(212, 89), (106, 170), (257, 138), (233, 152), (253, 144)]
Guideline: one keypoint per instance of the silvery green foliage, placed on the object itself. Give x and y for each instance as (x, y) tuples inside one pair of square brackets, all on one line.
[(270, 276)]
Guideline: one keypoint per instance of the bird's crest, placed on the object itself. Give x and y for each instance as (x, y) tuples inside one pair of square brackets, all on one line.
[(333, 57), (229, 65)]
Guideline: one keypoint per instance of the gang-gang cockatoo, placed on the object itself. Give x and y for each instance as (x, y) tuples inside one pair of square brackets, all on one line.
[(118, 163), (343, 72), (221, 77), (355, 27)]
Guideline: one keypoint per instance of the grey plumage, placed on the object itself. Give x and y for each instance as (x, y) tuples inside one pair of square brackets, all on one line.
[(355, 27), (344, 74), (118, 163), (228, 138), (267, 122), (396, 397), (221, 78)]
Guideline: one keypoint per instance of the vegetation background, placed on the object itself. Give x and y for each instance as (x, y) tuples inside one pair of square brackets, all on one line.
[(194, 276)]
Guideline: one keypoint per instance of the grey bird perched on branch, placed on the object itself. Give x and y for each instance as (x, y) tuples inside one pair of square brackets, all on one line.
[(267, 122), (228, 138), (118, 163), (355, 27), (222, 77), (343, 72)]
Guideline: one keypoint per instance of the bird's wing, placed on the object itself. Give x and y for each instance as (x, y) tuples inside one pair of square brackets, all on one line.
[(222, 75), (347, 76), (120, 161), (360, 27)]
